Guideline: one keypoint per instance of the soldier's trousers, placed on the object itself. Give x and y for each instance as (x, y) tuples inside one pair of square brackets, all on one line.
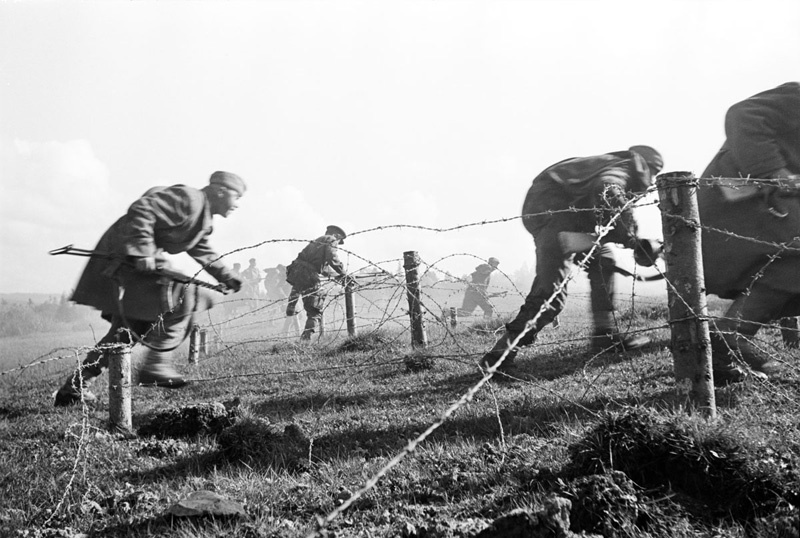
[(473, 298), (161, 335), (552, 268), (313, 300)]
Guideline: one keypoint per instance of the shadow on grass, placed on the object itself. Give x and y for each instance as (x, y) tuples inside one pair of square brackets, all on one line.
[(258, 444)]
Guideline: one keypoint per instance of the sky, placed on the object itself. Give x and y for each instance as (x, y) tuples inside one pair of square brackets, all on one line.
[(382, 117)]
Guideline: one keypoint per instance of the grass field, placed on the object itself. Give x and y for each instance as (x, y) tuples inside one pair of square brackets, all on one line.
[(308, 426)]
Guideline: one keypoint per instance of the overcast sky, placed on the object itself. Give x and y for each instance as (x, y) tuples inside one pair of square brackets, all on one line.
[(362, 114)]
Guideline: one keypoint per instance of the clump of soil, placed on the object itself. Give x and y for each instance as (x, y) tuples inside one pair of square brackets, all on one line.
[(611, 505), (204, 418), (254, 441), (713, 472), (367, 342), (551, 522), (418, 361)]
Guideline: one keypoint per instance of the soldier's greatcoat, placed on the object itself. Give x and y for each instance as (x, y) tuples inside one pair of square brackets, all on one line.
[(172, 219), (763, 136)]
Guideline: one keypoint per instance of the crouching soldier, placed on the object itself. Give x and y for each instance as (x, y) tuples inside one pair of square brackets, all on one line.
[(122, 279), (578, 195), (477, 293), (751, 225), (319, 258)]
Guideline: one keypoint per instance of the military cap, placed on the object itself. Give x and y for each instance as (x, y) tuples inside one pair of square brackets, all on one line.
[(228, 180), (494, 262), (650, 156), (336, 230)]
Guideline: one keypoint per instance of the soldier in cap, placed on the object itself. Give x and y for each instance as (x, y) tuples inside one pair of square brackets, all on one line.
[(751, 251), (577, 195), (318, 258), (476, 293), (124, 288)]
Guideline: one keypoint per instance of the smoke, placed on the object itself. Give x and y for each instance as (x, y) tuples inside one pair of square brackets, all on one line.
[(53, 193)]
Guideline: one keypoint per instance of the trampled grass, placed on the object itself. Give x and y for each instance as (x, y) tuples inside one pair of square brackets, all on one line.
[(316, 422)]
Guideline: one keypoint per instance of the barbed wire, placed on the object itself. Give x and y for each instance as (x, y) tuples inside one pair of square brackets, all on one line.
[(390, 310)]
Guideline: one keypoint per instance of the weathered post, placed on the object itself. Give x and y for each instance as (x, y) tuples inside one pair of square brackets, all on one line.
[(348, 308), (119, 387), (194, 344), (453, 317), (688, 311), (789, 332), (204, 342), (411, 264)]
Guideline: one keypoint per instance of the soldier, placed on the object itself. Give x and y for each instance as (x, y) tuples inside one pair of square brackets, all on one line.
[(761, 277), (124, 288), (577, 195), (253, 278), (318, 258), (476, 293)]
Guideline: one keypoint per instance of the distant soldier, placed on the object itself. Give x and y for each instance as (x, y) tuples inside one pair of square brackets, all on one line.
[(275, 283), (252, 277), (476, 293), (762, 277), (578, 195), (233, 303), (319, 258), (123, 286)]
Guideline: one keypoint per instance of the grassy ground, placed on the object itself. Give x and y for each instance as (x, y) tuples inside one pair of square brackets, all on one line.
[(312, 424)]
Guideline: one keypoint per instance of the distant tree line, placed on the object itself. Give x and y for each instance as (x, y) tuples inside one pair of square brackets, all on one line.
[(19, 319)]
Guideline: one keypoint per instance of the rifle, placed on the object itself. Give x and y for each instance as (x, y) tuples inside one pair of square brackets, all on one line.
[(580, 242), (497, 294), (170, 274)]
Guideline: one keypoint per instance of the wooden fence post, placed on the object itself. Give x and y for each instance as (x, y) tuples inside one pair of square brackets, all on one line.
[(194, 344), (410, 264), (204, 342), (688, 310), (789, 332), (119, 387), (453, 317), (348, 308)]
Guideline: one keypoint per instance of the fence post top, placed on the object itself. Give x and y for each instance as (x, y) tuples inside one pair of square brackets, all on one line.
[(674, 175)]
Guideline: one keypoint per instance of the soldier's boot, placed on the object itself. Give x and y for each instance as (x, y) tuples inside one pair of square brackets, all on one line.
[(612, 341), (312, 321), (158, 371), (502, 345), (76, 388), (732, 353), (74, 391)]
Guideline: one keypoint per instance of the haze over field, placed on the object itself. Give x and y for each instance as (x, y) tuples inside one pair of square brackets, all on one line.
[(363, 114)]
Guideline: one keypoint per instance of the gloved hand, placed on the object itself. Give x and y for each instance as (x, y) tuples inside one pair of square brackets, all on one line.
[(646, 252), (234, 284), (145, 264)]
